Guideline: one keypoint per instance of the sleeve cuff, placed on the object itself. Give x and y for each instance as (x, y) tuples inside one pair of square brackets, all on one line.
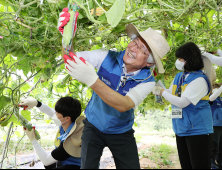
[(35, 142), (219, 52), (39, 104)]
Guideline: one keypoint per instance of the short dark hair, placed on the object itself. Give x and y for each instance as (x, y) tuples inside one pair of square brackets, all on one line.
[(191, 53), (68, 106)]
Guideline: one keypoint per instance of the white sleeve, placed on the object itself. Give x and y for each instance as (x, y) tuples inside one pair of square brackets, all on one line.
[(47, 110), (94, 57), (159, 83), (214, 59), (45, 158), (140, 92), (180, 102), (219, 52), (216, 94), (196, 90)]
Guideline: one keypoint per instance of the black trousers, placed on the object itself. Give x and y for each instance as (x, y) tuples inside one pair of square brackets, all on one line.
[(59, 166), (123, 147), (216, 153), (194, 151)]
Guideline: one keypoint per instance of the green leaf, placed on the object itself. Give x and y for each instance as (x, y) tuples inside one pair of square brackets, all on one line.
[(118, 29), (14, 120), (4, 124), (4, 137), (48, 121), (102, 17), (4, 101), (115, 14), (108, 2), (4, 31), (26, 114), (179, 38), (26, 87), (17, 133)]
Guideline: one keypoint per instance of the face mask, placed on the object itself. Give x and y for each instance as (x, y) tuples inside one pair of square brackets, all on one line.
[(214, 90), (57, 121), (179, 65)]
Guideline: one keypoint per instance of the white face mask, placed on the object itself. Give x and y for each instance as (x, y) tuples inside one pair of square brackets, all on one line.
[(57, 121), (179, 65)]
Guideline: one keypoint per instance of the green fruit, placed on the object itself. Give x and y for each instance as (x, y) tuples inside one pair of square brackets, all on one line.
[(67, 34), (37, 136)]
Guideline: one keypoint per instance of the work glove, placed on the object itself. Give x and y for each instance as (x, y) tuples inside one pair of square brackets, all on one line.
[(64, 17), (156, 90), (81, 70), (30, 134), (28, 103)]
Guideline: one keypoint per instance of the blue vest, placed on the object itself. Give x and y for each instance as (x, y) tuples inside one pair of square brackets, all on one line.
[(61, 137), (105, 118), (216, 109), (197, 119)]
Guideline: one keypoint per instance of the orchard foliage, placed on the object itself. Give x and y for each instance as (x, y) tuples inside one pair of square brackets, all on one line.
[(32, 43)]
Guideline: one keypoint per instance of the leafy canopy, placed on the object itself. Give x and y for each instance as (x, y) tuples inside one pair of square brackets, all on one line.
[(32, 43)]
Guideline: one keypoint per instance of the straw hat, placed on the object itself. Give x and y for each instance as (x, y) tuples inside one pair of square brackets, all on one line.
[(73, 142), (209, 70), (157, 43)]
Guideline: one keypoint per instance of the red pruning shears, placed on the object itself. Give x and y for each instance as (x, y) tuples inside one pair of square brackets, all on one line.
[(24, 107)]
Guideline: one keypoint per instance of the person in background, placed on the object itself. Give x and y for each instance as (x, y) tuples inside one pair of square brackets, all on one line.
[(216, 108), (123, 81), (213, 58), (216, 150), (191, 112), (66, 115)]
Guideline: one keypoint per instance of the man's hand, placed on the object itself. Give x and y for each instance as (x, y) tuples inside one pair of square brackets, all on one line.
[(64, 17), (30, 102), (81, 71), (161, 92), (30, 134)]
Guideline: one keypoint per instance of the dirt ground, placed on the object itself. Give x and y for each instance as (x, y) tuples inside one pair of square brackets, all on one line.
[(107, 161), (147, 163)]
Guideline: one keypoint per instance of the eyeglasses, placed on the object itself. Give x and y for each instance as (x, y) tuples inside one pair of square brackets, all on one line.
[(142, 49)]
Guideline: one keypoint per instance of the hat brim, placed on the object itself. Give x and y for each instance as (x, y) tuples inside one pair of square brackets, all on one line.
[(131, 30), (210, 70)]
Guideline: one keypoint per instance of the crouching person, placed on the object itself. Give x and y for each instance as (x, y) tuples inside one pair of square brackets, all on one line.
[(67, 152)]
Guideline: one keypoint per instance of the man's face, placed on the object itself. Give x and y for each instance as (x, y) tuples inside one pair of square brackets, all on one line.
[(136, 54)]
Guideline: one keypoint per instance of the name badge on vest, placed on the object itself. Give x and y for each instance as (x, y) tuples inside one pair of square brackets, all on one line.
[(176, 112)]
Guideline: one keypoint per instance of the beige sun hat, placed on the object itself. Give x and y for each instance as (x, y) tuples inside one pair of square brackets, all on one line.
[(157, 43), (73, 142), (209, 70)]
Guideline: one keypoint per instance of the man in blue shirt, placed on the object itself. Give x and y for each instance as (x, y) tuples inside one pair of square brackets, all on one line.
[(123, 81)]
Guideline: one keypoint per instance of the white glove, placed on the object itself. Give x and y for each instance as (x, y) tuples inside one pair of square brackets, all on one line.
[(156, 90), (82, 72), (30, 102), (30, 134)]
